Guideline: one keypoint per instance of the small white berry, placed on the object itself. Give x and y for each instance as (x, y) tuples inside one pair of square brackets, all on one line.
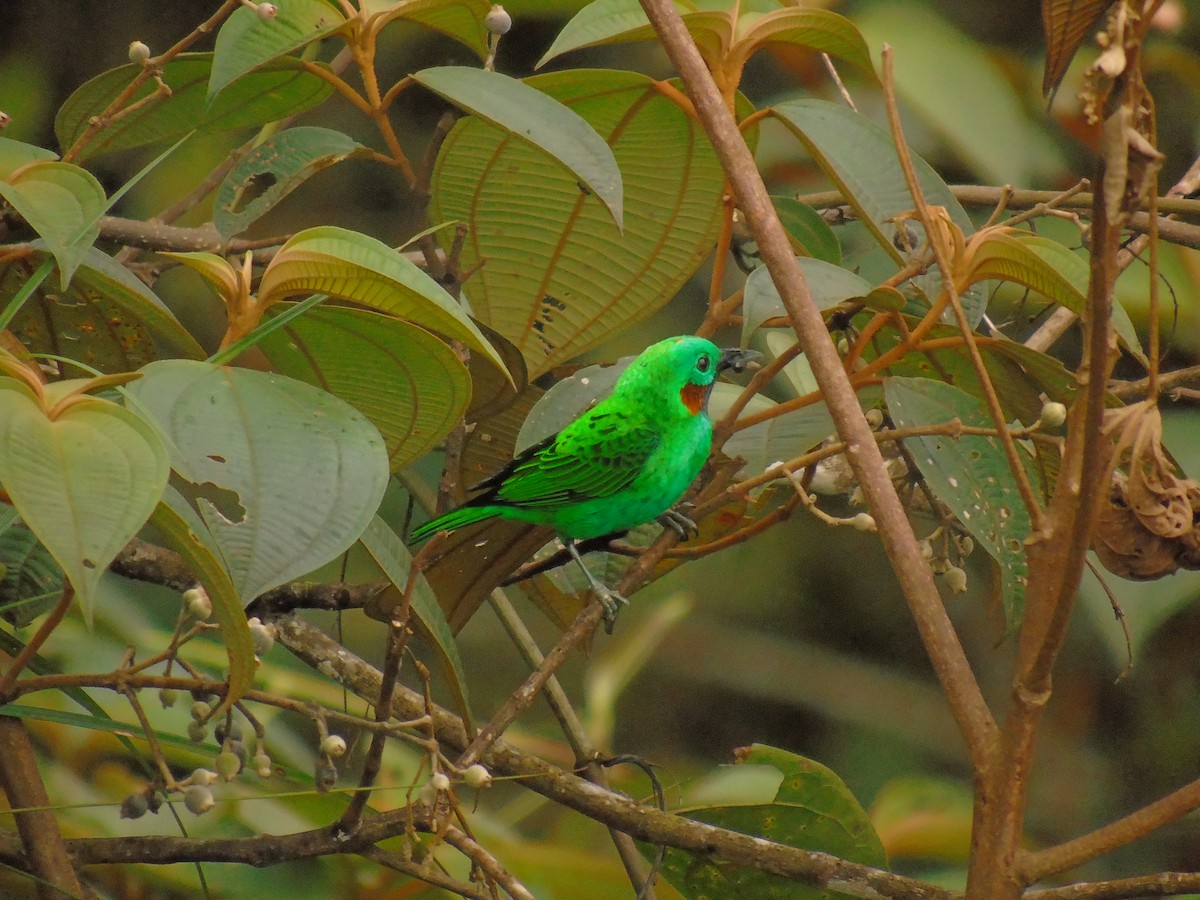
[(874, 417), (138, 52), (1053, 414), (262, 635), (204, 777), (198, 800), (198, 603), (267, 11), (201, 710), (863, 522), (477, 776), (498, 21), (197, 732), (167, 697), (262, 765), (956, 579), (228, 765), (439, 782), (333, 745)]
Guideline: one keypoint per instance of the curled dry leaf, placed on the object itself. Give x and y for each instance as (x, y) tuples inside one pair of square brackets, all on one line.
[(1147, 527)]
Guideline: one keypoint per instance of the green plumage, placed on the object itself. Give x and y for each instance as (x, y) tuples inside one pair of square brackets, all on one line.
[(620, 464)]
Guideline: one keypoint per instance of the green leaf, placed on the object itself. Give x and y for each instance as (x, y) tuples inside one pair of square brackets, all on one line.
[(526, 114), (285, 476), (14, 154), (829, 285), (183, 532), (462, 20), (810, 234), (624, 21), (353, 266), (970, 475), (246, 42), (396, 562), (407, 382), (557, 277), (1054, 271), (924, 817), (809, 808), (63, 204), (107, 318), (32, 581), (1003, 147), (279, 89), (84, 481), (274, 169), (818, 30), (860, 158)]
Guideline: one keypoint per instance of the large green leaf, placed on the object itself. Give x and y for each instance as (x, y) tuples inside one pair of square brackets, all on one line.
[(829, 285), (410, 384), (355, 267), (1053, 270), (462, 20), (280, 89), (63, 204), (794, 801), (14, 154), (557, 276), (107, 317), (396, 562), (32, 581), (246, 42), (285, 476), (860, 158), (1003, 147), (525, 114), (183, 531), (818, 30), (84, 481), (970, 474), (274, 169)]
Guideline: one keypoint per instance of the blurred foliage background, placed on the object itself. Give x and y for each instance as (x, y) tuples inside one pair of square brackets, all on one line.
[(799, 638)]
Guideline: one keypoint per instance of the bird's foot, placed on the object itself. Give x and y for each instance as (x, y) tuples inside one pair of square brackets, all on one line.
[(681, 524), (612, 603)]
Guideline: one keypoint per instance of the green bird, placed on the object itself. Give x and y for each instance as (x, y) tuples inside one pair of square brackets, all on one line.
[(622, 463)]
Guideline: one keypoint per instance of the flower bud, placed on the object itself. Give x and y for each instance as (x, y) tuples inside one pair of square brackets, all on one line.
[(197, 732), (439, 782), (138, 52), (167, 697), (956, 580), (201, 710), (203, 777), (134, 806), (262, 765), (262, 635), (863, 522), (228, 765), (266, 11), (1053, 415)]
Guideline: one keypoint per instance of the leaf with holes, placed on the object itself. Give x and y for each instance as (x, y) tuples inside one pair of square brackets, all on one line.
[(285, 476), (556, 276), (352, 266), (970, 475), (409, 383), (790, 800), (246, 42), (84, 481), (525, 114), (277, 90), (274, 169), (107, 317)]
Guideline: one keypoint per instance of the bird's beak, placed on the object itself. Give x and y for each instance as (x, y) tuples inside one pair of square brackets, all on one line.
[(737, 359)]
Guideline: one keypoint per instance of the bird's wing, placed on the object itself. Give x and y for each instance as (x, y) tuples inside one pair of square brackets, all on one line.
[(597, 456)]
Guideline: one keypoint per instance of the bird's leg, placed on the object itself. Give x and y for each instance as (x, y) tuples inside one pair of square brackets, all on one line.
[(609, 599), (682, 524)]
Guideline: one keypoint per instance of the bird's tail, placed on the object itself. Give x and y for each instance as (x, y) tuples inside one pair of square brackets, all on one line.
[(456, 518)]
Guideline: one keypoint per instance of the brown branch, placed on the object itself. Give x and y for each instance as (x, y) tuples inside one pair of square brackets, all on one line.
[(937, 632), (47, 855), (488, 864), (1164, 884)]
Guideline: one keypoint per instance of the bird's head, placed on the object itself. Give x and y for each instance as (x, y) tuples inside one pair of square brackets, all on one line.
[(685, 368)]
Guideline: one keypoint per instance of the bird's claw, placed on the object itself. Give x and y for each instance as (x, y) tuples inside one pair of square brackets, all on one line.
[(681, 524), (612, 603)]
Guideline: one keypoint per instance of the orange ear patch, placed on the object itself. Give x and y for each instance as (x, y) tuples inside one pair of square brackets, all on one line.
[(692, 397)]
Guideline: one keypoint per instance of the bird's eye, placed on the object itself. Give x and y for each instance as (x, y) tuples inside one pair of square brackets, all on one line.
[(703, 363)]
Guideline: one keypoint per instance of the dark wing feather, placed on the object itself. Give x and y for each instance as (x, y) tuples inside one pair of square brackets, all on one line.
[(598, 455)]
